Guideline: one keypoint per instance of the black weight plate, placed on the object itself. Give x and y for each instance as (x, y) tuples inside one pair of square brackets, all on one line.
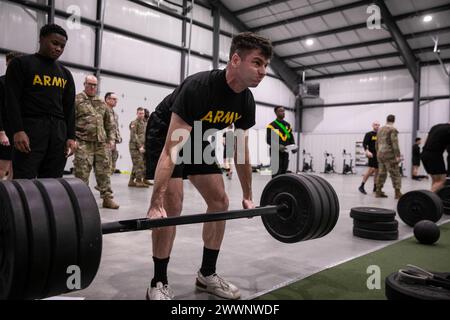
[(39, 233), (376, 226), (334, 204), (64, 238), (300, 222), (418, 205), (323, 213), (444, 194), (446, 209), (372, 214), (14, 244), (375, 235), (396, 289), (89, 228)]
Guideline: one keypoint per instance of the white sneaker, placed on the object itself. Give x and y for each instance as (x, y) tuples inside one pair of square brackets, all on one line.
[(215, 284), (161, 292)]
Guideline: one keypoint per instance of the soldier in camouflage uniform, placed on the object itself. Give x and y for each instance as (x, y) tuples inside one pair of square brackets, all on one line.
[(111, 101), (388, 154), (95, 134), (137, 150)]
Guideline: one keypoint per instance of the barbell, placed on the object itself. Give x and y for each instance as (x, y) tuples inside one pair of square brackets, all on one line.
[(49, 225)]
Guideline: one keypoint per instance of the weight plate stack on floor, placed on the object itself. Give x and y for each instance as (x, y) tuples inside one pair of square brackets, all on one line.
[(374, 223), (396, 289), (444, 194), (14, 244), (310, 212), (418, 205), (376, 226)]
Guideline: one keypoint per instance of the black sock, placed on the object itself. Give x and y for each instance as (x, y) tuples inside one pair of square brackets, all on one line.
[(362, 184), (160, 271), (209, 262)]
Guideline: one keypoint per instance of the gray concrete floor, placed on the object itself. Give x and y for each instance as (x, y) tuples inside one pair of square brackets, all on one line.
[(249, 257)]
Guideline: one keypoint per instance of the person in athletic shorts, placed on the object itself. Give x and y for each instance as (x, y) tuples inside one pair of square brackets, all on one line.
[(369, 148), (206, 100), (433, 154)]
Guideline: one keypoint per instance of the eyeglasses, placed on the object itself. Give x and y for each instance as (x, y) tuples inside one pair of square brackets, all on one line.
[(90, 84)]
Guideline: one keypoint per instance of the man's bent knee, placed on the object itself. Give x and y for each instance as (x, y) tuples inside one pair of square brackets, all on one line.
[(219, 203)]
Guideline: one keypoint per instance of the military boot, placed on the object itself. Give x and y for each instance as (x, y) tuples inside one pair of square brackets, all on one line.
[(109, 203), (140, 184), (131, 183), (380, 194), (398, 194)]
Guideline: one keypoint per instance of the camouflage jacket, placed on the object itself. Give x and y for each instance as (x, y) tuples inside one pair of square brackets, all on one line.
[(137, 133), (387, 143), (115, 119), (93, 119)]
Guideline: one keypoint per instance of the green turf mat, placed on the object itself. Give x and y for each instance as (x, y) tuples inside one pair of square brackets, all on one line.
[(348, 281)]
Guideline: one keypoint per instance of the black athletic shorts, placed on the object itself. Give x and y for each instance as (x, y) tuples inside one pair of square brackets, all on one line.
[(188, 167), (5, 153), (416, 161), (433, 162), (373, 162)]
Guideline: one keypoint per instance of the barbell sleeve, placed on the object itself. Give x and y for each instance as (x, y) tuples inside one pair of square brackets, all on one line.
[(145, 224)]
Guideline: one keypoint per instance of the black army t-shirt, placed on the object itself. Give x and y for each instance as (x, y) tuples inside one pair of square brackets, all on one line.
[(37, 86), (369, 142), (438, 138), (205, 97)]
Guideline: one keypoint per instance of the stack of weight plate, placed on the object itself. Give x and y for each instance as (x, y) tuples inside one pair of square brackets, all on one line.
[(374, 223)]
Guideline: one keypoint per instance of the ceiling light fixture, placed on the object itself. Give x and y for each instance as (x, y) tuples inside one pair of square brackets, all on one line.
[(427, 18), (309, 42)]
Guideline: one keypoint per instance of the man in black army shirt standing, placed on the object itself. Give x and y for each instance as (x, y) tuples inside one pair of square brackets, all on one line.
[(206, 100), (283, 131), (40, 96), (369, 141)]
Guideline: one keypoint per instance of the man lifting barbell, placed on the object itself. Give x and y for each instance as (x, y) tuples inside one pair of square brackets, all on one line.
[(216, 99)]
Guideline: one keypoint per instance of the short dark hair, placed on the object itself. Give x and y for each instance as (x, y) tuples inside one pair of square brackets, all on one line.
[(247, 41), (11, 55), (140, 109), (276, 108), (48, 29), (390, 118), (418, 139), (108, 94)]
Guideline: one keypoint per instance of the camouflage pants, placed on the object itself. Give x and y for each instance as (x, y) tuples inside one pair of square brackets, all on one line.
[(94, 154), (391, 166), (114, 155), (138, 160)]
